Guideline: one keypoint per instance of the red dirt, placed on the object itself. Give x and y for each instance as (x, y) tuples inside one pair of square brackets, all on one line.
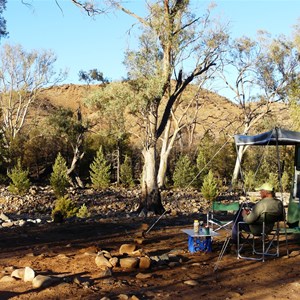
[(68, 250)]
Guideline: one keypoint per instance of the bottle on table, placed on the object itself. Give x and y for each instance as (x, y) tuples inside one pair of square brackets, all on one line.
[(196, 226)]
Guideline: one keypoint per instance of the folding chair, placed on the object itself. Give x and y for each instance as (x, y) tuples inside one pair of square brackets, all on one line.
[(221, 207), (263, 244)]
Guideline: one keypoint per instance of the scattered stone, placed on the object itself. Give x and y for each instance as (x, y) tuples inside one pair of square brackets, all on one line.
[(105, 273), (123, 297), (133, 297), (173, 264), (139, 240), (18, 273), (4, 217), (29, 274), (145, 262), (105, 298), (129, 262), (42, 281), (7, 278), (114, 261), (102, 262), (143, 275), (294, 253), (127, 249), (191, 282)]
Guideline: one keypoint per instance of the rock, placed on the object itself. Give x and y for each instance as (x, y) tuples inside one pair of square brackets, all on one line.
[(18, 273), (191, 282), (123, 297), (102, 261), (42, 281), (143, 275), (133, 297), (29, 274), (145, 262), (114, 261), (129, 262), (7, 224), (4, 217), (7, 278), (139, 240), (105, 273), (127, 249)]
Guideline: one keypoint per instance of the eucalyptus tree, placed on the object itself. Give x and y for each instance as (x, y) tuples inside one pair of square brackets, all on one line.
[(259, 73), (22, 76), (172, 38)]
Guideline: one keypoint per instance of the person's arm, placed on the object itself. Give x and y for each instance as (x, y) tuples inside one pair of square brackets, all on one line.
[(254, 214)]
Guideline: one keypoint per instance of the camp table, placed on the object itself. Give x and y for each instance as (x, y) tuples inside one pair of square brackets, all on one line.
[(201, 240)]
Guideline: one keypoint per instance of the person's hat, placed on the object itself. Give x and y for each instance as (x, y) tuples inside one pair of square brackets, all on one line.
[(266, 187)]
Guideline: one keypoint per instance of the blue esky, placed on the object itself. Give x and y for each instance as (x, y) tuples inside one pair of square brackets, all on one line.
[(83, 43)]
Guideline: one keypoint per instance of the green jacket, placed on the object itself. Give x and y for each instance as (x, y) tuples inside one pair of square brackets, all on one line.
[(256, 216)]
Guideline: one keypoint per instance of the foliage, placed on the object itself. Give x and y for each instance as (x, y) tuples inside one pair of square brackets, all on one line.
[(65, 208), (126, 172), (273, 179), (83, 212), (23, 75), (59, 179), (20, 181), (285, 181), (92, 75), (250, 182), (3, 31), (209, 188), (100, 171), (185, 173)]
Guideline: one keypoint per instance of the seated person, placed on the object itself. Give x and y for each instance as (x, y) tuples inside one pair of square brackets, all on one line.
[(254, 217)]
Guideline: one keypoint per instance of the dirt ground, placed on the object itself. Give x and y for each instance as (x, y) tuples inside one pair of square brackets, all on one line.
[(68, 251)]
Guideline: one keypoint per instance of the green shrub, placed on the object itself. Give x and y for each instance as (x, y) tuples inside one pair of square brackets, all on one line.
[(285, 181), (126, 172), (273, 179), (64, 208), (83, 212), (209, 188), (184, 173), (249, 181), (20, 183), (100, 171), (59, 179)]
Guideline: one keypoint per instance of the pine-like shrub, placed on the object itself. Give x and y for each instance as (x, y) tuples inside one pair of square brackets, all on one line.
[(83, 212), (64, 208), (184, 173), (100, 171), (273, 179), (20, 182), (126, 173), (249, 180), (209, 188), (285, 181), (59, 179)]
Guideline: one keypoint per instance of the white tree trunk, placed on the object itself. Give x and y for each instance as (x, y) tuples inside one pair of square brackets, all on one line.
[(237, 166)]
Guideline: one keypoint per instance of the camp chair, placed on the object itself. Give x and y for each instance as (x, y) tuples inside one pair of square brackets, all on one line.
[(264, 244), (221, 207)]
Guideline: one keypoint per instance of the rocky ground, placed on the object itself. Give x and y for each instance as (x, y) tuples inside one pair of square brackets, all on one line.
[(117, 254)]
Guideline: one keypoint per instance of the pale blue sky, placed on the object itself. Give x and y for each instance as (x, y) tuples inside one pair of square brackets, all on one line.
[(83, 43)]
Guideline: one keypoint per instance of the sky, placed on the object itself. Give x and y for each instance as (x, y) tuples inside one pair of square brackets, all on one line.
[(83, 43)]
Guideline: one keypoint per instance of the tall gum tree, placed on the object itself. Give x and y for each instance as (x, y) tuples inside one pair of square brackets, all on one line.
[(22, 76), (172, 38), (259, 73)]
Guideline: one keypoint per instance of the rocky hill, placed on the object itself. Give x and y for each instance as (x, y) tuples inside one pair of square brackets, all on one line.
[(216, 114)]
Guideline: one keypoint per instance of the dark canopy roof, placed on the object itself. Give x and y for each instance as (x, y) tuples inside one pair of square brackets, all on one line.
[(283, 136)]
